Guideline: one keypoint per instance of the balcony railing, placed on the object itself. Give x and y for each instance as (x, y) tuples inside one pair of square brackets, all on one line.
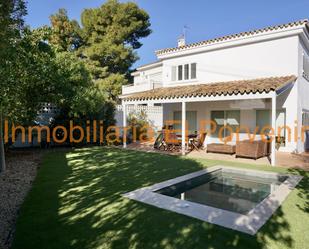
[(140, 87)]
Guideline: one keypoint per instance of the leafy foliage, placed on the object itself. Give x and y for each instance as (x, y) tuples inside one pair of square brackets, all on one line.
[(79, 69), (139, 123), (11, 22), (111, 85), (106, 41), (66, 34), (11, 28)]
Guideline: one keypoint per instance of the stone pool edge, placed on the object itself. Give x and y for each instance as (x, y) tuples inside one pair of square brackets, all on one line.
[(249, 223)]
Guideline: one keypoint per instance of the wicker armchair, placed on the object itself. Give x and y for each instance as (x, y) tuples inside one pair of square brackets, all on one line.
[(251, 149)]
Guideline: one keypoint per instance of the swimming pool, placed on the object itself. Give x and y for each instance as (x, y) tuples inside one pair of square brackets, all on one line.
[(229, 190), (236, 198)]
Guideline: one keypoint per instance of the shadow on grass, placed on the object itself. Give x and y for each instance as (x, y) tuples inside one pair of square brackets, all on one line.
[(76, 202), (303, 189)]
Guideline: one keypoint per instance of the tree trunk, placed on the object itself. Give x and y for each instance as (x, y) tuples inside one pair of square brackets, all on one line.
[(2, 154)]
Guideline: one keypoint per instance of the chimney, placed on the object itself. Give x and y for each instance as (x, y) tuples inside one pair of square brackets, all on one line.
[(181, 41)]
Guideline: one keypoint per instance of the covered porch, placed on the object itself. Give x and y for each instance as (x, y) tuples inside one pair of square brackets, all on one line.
[(248, 106), (283, 159)]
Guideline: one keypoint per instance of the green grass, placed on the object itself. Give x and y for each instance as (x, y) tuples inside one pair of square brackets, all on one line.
[(76, 202)]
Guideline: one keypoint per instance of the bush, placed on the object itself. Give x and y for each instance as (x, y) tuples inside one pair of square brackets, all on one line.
[(138, 122)]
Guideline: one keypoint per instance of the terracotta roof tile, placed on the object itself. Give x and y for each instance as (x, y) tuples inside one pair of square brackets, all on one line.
[(261, 85), (229, 37)]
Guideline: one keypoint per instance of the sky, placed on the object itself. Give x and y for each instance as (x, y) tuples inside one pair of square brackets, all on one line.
[(205, 19)]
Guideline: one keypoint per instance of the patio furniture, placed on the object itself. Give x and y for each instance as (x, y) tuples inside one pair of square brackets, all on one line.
[(172, 142), (280, 142), (167, 141), (158, 143), (251, 149), (197, 143), (221, 148)]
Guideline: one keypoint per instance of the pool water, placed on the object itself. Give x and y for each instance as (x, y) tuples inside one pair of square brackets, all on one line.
[(233, 191)]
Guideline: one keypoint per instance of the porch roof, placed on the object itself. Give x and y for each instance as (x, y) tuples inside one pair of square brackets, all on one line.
[(241, 87)]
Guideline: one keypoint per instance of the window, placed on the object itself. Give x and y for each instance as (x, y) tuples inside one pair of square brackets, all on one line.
[(305, 66), (183, 72), (186, 72), (191, 117), (180, 72), (225, 118), (232, 119), (263, 119), (193, 70), (218, 118), (173, 73), (305, 119)]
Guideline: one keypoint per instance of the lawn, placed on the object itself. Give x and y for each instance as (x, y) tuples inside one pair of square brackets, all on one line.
[(76, 202)]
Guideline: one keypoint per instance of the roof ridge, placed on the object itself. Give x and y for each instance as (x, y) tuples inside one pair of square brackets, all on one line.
[(231, 36)]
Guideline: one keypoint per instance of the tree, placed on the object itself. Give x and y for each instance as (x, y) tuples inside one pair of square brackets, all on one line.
[(75, 68), (11, 26), (106, 41), (66, 34), (36, 73), (111, 34), (11, 22), (30, 73), (111, 85)]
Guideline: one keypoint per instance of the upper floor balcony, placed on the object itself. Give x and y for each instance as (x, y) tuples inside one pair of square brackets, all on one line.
[(141, 87)]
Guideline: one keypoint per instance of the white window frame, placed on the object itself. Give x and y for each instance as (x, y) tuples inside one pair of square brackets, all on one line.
[(305, 66), (174, 78)]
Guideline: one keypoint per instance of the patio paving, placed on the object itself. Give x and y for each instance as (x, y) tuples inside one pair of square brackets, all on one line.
[(284, 159)]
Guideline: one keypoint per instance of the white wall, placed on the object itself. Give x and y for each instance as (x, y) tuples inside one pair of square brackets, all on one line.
[(148, 75), (303, 91), (154, 115), (303, 83), (268, 58), (288, 101), (264, 59)]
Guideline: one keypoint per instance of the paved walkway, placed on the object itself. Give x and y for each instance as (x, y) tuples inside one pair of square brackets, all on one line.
[(284, 159)]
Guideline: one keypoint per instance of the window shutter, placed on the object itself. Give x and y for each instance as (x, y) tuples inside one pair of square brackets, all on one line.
[(193, 70), (173, 73), (306, 66), (186, 77), (180, 72)]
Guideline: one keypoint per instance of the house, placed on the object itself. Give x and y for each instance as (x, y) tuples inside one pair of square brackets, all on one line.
[(250, 79)]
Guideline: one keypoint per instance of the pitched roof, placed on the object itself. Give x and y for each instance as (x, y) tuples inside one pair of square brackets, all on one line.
[(230, 37), (261, 85)]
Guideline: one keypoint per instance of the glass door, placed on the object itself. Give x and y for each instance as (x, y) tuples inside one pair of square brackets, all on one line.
[(218, 118), (191, 117), (230, 118)]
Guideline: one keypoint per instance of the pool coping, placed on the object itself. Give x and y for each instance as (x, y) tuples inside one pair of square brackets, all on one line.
[(249, 223)]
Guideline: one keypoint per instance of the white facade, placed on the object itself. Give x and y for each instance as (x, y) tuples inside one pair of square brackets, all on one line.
[(257, 60), (145, 78), (265, 53), (154, 114)]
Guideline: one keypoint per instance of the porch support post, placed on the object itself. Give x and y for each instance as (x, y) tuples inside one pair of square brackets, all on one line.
[(183, 128), (124, 119), (273, 125)]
